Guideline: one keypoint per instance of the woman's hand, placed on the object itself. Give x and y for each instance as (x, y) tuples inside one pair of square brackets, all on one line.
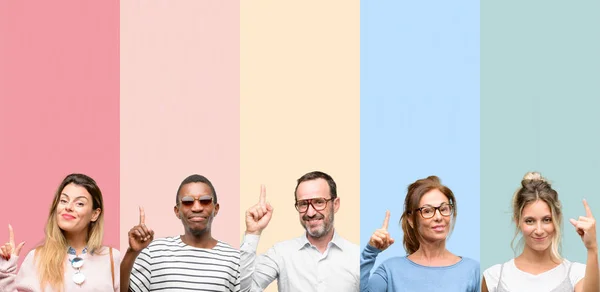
[(381, 237), (586, 228), (9, 249)]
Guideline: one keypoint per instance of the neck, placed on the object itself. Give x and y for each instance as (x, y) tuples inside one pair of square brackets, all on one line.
[(321, 242), (77, 240), (431, 250), (201, 240), (535, 256)]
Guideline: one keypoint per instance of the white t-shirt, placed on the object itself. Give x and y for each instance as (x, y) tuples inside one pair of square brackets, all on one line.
[(516, 280)]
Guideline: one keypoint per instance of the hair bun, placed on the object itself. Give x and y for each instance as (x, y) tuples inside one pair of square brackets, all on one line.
[(534, 176)]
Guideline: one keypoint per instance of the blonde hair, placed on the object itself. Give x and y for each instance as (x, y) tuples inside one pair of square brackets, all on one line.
[(415, 192), (50, 256), (534, 187)]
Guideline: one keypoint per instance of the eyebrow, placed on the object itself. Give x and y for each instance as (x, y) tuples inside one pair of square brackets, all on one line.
[(80, 197), (543, 217), (429, 205)]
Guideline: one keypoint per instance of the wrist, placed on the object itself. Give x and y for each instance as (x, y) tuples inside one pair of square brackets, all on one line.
[(133, 251), (593, 249), (254, 232)]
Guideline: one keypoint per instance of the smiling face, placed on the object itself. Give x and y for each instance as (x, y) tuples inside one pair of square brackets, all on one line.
[(437, 227), (317, 223), (536, 225), (198, 215), (74, 211)]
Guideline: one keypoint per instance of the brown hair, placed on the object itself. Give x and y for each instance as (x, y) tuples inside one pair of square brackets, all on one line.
[(534, 187), (317, 175), (415, 192)]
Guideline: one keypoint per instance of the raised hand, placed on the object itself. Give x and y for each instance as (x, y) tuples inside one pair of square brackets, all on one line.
[(381, 237), (259, 215), (140, 236), (9, 249), (586, 227)]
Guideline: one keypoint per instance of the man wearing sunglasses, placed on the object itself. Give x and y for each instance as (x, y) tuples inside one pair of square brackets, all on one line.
[(319, 260), (193, 261)]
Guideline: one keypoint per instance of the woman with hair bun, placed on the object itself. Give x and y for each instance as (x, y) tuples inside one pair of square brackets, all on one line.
[(428, 219), (537, 214)]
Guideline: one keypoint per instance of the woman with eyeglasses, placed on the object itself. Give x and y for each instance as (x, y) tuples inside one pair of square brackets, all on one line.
[(428, 218), (537, 215), (72, 257)]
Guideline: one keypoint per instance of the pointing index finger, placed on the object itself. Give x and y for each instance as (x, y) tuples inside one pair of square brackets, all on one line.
[(142, 216), (11, 235), (588, 211), (263, 195), (386, 221)]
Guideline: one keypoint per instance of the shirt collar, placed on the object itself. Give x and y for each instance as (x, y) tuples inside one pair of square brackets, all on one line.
[(337, 241)]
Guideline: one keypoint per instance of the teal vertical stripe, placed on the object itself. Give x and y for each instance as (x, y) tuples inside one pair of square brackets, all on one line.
[(540, 96)]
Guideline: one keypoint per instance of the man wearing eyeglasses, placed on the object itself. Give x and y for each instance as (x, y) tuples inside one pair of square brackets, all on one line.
[(193, 261), (319, 260)]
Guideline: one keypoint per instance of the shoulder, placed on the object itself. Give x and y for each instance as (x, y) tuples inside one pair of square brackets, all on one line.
[(492, 275), (397, 262), (116, 254), (469, 263), (290, 243), (576, 271), (493, 271), (29, 260), (226, 249), (173, 241), (346, 246)]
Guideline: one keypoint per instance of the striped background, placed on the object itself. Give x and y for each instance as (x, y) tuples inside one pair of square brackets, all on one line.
[(140, 94)]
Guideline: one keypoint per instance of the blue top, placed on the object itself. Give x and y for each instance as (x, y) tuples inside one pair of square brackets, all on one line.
[(402, 274)]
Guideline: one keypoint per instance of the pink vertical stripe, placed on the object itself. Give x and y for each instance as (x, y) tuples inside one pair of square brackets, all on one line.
[(59, 108), (179, 110)]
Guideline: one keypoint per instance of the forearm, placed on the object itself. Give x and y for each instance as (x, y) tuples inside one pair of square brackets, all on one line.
[(367, 261), (126, 267), (258, 271), (8, 273), (591, 281)]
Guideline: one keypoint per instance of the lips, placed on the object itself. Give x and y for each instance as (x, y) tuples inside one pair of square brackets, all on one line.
[(68, 217), (197, 219), (540, 238), (438, 228)]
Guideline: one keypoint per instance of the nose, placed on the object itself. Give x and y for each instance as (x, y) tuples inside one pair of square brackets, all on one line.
[(69, 206), (538, 228), (310, 212), (437, 215), (197, 207)]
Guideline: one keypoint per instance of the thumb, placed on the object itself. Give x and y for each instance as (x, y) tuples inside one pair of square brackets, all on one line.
[(392, 241), (573, 221), (19, 247)]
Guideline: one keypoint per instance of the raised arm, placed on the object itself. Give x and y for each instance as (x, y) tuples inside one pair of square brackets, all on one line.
[(257, 272), (140, 237), (9, 255), (586, 228), (380, 241)]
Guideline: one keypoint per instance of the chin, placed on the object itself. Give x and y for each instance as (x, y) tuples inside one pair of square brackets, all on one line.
[(201, 231), (539, 247)]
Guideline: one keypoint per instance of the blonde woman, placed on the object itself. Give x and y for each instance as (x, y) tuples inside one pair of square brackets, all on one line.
[(72, 257), (540, 267)]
